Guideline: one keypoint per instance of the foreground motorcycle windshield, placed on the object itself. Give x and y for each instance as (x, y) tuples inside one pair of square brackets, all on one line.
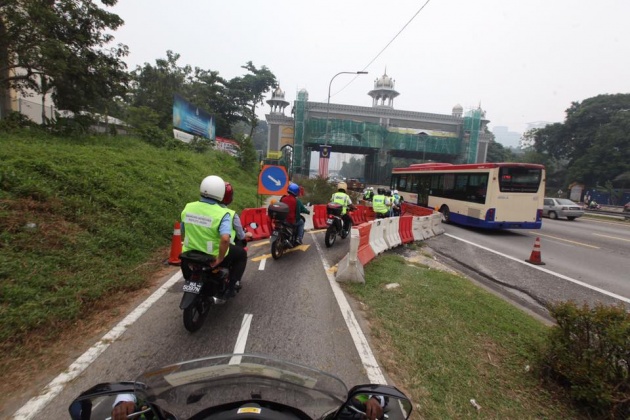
[(188, 388)]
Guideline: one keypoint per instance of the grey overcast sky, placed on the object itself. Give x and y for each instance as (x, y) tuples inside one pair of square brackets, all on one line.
[(524, 61)]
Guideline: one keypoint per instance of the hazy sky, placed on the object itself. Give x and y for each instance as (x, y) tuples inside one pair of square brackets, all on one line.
[(524, 60)]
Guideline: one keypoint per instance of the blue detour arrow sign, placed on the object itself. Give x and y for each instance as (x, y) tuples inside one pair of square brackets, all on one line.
[(273, 180)]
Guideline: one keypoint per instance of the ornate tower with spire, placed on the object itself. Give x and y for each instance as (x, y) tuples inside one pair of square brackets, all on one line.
[(383, 93), (277, 102)]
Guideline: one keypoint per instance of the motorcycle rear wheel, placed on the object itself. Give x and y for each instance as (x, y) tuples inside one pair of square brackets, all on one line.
[(195, 314), (277, 249), (331, 236)]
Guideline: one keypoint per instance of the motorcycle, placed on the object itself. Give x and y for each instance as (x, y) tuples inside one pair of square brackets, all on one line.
[(240, 386), (203, 287), (335, 224), (284, 235)]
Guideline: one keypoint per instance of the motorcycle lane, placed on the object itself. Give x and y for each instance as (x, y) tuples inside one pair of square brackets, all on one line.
[(294, 316)]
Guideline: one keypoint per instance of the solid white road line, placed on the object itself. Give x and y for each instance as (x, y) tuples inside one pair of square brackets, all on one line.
[(261, 267), (544, 270), (374, 373), (35, 404), (241, 340)]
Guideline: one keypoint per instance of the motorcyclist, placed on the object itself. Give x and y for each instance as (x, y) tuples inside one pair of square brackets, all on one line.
[(396, 203), (238, 233), (295, 209), (207, 227), (380, 204), (340, 197)]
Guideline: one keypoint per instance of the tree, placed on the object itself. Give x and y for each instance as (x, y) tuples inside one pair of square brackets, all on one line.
[(247, 156), (249, 91), (498, 153), (60, 46), (153, 87), (593, 141)]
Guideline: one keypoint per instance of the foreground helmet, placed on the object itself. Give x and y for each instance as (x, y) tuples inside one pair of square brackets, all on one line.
[(342, 186), (294, 189), (395, 192), (229, 194), (213, 187), (381, 191), (388, 193)]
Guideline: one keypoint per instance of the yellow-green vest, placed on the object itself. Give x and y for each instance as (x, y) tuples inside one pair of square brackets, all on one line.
[(341, 198), (378, 204), (201, 227)]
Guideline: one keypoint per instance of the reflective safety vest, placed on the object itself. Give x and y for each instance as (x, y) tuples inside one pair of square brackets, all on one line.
[(378, 204), (343, 199), (233, 233), (201, 227)]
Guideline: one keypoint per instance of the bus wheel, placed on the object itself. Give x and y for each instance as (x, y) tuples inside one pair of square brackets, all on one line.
[(446, 214)]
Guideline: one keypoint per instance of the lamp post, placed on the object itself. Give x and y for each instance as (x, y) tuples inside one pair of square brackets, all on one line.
[(328, 103)]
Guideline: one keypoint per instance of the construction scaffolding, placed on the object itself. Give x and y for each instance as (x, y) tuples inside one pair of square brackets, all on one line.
[(369, 138)]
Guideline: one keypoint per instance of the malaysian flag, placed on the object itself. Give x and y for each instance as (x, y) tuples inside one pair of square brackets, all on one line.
[(324, 157)]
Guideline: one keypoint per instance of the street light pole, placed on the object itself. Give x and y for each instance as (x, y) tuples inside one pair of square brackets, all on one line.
[(328, 103)]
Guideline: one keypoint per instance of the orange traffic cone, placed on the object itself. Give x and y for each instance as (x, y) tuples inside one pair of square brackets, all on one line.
[(535, 257), (176, 246)]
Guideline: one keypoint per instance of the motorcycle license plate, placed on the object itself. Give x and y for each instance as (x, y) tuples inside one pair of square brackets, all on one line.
[(192, 287), (329, 221)]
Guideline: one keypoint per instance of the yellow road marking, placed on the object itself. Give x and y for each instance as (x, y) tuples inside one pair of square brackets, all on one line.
[(302, 247), (612, 237), (565, 240), (259, 244)]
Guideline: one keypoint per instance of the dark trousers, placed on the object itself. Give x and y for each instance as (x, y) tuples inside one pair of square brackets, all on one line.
[(235, 261), (347, 221)]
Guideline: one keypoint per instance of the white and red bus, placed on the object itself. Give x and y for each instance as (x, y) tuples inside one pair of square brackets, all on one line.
[(485, 195)]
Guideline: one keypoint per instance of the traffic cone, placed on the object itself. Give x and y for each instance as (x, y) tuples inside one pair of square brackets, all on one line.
[(535, 257), (176, 246)]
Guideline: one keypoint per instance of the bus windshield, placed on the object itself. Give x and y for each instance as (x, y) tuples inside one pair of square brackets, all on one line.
[(517, 179)]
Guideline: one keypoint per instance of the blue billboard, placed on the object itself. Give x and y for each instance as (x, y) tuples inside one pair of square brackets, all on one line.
[(192, 119)]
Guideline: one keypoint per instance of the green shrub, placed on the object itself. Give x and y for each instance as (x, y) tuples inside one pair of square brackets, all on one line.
[(589, 353), (316, 190), (14, 121)]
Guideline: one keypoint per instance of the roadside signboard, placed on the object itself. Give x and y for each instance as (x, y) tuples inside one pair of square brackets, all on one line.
[(273, 180)]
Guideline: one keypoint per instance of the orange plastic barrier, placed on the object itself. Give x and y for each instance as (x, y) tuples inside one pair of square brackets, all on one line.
[(360, 215), (365, 252), (260, 218), (319, 216), (355, 216), (405, 229), (407, 209), (369, 214)]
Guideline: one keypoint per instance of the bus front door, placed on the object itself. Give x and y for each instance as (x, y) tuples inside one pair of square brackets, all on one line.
[(424, 185)]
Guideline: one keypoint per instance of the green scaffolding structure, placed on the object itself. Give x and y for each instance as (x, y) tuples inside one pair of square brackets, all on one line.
[(300, 159), (472, 125), (369, 137), (375, 136)]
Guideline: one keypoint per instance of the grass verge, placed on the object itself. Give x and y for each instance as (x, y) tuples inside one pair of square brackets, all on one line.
[(446, 341)]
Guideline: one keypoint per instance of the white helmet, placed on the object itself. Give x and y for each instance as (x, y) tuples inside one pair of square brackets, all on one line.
[(395, 192), (342, 186), (212, 187)]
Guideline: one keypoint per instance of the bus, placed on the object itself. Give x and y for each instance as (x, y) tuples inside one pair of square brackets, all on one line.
[(484, 195)]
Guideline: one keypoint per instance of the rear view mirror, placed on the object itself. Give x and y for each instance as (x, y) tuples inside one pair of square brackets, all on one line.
[(393, 403)]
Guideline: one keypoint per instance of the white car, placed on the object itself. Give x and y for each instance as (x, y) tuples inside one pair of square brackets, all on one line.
[(554, 208)]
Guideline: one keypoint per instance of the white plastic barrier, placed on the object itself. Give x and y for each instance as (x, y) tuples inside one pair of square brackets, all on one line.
[(436, 223), (427, 231), (416, 228), (350, 268), (377, 236), (392, 235), (308, 219)]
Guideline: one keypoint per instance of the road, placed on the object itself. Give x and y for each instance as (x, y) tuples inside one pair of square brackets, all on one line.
[(586, 260), (288, 307)]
